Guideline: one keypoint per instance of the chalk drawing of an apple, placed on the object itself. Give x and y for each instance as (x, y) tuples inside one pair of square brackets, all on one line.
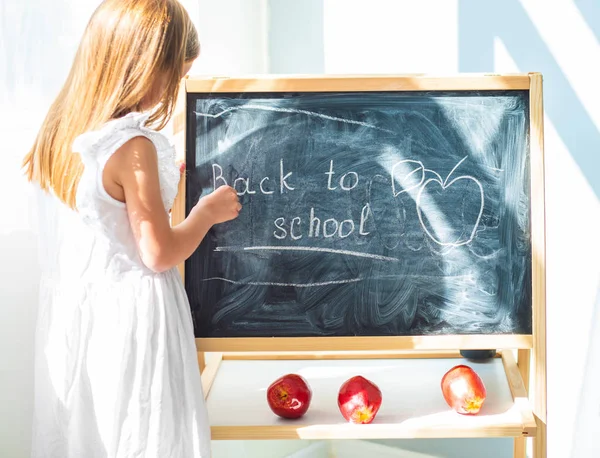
[(439, 222), (409, 173)]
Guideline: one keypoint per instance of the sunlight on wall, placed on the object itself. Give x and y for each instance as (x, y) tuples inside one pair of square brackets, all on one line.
[(572, 222), (573, 45)]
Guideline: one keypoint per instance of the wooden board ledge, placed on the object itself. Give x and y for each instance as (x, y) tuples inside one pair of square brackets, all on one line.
[(413, 406)]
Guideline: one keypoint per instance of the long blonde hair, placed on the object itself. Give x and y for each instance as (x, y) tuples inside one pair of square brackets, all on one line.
[(127, 47)]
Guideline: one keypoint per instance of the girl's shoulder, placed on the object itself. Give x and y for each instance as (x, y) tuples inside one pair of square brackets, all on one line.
[(96, 147), (98, 144)]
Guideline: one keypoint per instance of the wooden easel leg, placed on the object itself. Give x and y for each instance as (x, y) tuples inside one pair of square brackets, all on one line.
[(208, 369), (523, 361), (209, 372), (538, 292), (520, 448), (201, 361), (539, 441)]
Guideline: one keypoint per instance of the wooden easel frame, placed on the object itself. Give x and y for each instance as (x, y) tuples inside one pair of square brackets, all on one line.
[(528, 373)]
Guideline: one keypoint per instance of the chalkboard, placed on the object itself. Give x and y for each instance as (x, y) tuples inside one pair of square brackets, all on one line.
[(364, 214)]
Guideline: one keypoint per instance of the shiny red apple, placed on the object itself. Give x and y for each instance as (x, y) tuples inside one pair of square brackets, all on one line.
[(289, 396), (463, 390), (359, 400)]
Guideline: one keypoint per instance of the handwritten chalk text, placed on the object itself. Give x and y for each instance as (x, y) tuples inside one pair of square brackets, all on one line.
[(315, 226)]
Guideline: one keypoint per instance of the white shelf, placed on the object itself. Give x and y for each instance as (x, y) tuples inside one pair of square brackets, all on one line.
[(413, 406)]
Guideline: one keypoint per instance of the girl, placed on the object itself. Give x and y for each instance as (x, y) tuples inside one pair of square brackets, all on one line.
[(116, 367)]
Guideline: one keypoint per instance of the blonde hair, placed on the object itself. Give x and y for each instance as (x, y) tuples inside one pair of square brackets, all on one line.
[(128, 46)]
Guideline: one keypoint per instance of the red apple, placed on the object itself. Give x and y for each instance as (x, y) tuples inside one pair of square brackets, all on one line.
[(289, 396), (463, 390), (359, 400)]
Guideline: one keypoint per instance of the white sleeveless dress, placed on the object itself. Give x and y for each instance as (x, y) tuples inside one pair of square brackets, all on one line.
[(116, 369)]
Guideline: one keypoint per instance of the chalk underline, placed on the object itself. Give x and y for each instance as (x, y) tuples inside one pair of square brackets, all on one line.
[(320, 283), (314, 249), (295, 285)]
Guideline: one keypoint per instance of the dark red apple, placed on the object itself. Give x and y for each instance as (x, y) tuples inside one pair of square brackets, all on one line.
[(359, 400), (463, 390), (289, 396)]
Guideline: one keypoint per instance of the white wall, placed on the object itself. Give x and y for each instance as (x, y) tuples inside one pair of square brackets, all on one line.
[(388, 36), (232, 34), (295, 36), (560, 39)]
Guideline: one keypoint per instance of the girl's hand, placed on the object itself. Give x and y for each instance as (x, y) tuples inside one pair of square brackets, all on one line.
[(220, 206)]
